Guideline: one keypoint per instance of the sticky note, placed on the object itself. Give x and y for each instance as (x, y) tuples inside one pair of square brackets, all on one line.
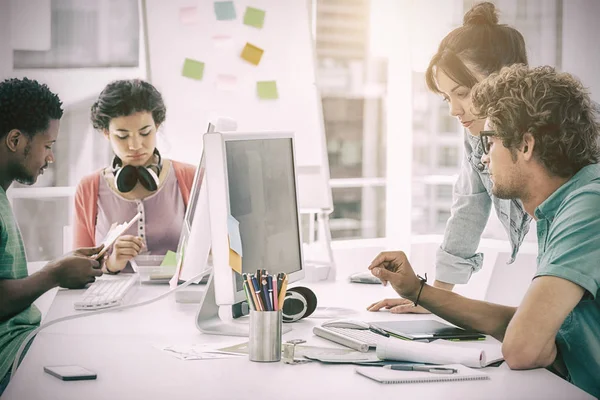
[(224, 10), (170, 259), (254, 17), (222, 41), (252, 54), (235, 261), (235, 240), (267, 90), (188, 15), (193, 69), (226, 82)]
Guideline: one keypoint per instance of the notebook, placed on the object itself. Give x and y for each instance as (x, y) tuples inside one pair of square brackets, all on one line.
[(383, 375)]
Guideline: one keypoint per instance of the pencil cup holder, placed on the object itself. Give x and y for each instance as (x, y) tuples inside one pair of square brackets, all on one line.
[(265, 336)]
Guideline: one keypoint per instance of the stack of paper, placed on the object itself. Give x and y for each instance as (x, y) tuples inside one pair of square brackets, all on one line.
[(433, 353)]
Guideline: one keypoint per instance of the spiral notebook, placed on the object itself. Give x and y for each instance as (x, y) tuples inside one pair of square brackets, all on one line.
[(383, 375)]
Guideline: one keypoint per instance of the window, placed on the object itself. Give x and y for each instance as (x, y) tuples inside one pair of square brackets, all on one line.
[(88, 34), (448, 157)]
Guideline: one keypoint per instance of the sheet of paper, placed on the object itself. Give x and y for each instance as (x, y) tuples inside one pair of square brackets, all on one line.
[(170, 259), (235, 240), (224, 10), (252, 54), (195, 351), (235, 261), (267, 90), (254, 17), (193, 69), (188, 15)]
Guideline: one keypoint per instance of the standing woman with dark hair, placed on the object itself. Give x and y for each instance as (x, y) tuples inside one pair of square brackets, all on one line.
[(128, 113), (465, 56)]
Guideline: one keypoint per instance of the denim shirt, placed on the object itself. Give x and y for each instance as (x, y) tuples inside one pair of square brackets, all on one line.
[(456, 259)]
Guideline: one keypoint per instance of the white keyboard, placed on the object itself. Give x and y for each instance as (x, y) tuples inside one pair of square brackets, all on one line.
[(362, 335), (107, 291)]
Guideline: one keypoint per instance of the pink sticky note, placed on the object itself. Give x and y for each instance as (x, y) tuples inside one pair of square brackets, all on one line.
[(226, 82), (188, 15), (222, 41)]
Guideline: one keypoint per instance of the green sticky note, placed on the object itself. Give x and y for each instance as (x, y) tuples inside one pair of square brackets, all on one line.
[(267, 90), (254, 17), (193, 69), (170, 259), (224, 10)]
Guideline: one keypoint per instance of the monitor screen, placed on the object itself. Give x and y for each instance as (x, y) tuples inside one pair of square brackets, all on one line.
[(262, 198)]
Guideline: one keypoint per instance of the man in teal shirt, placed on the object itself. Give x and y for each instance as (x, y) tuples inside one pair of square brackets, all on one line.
[(541, 145), (29, 123)]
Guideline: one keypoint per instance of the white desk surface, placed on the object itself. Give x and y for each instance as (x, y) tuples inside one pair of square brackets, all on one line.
[(119, 347)]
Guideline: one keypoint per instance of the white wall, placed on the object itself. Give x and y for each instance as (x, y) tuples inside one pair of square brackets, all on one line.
[(580, 50)]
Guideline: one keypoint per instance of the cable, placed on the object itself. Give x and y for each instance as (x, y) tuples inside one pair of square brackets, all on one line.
[(89, 314)]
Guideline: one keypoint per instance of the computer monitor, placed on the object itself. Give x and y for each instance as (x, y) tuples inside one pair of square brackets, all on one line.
[(250, 176)]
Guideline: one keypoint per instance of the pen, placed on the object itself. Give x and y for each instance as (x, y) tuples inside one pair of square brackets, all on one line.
[(282, 291), (378, 331), (259, 305), (423, 368), (249, 296), (275, 299), (266, 296), (270, 289)]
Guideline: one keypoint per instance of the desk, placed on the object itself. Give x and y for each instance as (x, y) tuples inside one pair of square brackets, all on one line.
[(119, 347)]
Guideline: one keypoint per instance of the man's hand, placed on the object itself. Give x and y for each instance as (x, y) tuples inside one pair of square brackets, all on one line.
[(398, 306), (125, 248), (76, 269), (393, 267)]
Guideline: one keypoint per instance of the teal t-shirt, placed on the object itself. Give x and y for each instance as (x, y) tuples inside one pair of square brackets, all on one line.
[(13, 265), (568, 229)]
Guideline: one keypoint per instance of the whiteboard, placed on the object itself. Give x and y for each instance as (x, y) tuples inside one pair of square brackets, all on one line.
[(181, 29)]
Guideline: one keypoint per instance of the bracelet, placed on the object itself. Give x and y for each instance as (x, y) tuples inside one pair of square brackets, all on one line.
[(423, 280)]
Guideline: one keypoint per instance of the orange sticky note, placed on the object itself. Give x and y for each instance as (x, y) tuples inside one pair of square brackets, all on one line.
[(252, 54), (235, 261)]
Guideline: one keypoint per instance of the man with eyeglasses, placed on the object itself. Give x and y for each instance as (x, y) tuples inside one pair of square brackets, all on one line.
[(541, 146)]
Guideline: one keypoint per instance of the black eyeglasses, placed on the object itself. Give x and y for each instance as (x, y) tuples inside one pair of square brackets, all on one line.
[(485, 140)]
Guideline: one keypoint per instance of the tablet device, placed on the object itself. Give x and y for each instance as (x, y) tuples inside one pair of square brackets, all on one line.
[(426, 329), (114, 234), (70, 372)]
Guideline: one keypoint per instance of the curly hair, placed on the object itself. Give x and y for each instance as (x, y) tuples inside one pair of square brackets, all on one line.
[(126, 97), (553, 106), (481, 43), (28, 106)]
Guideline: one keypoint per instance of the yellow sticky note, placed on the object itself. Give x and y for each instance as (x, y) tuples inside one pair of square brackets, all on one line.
[(252, 54), (235, 261), (267, 90)]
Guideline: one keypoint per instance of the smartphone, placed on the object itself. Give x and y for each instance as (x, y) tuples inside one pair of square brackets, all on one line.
[(70, 372), (114, 234)]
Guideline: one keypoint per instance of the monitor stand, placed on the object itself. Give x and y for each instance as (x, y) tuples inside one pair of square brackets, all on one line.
[(209, 322)]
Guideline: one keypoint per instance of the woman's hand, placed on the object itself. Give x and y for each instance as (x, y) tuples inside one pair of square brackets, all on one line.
[(398, 306), (124, 249)]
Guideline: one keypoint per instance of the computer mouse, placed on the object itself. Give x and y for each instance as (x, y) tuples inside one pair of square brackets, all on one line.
[(364, 277), (346, 323)]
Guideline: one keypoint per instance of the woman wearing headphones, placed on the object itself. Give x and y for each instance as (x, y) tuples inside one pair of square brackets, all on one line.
[(128, 113), (465, 56)]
